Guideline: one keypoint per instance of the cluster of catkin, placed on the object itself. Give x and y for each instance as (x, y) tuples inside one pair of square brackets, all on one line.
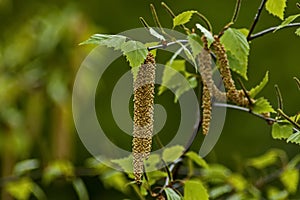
[(210, 90), (143, 115)]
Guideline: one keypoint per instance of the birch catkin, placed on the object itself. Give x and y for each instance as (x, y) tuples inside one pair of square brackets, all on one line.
[(143, 115), (234, 95)]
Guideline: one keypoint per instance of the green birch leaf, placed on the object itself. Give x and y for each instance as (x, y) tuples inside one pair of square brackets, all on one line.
[(195, 43), (20, 189), (281, 131), (262, 105), (194, 190), (254, 91), (156, 34), (265, 160), (294, 138), (286, 22), (290, 179), (237, 181), (171, 194), (135, 52), (297, 32), (168, 75), (170, 154), (276, 7), (237, 47), (197, 159), (237, 65), (80, 189), (171, 78), (183, 18), (219, 191), (25, 166), (114, 41), (206, 33)]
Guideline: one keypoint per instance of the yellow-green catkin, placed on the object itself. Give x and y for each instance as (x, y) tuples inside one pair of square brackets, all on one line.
[(204, 61), (236, 96), (143, 115)]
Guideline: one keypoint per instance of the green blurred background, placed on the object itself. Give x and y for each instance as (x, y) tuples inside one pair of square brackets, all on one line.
[(39, 58)]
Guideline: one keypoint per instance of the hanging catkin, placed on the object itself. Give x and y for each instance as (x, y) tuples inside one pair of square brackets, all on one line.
[(234, 95), (143, 115)]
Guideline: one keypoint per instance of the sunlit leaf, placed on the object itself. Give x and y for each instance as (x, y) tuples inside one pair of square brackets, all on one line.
[(125, 163), (281, 131), (155, 176), (194, 190), (183, 18), (237, 65), (25, 166), (171, 194), (20, 189), (294, 138), (114, 41), (276, 194), (152, 162), (80, 189), (290, 179), (207, 34), (287, 21), (215, 173), (173, 79), (57, 169), (135, 52), (262, 105), (195, 43), (197, 159), (115, 179), (170, 154), (276, 7), (297, 31), (254, 91), (237, 181), (156, 34), (237, 46), (219, 191), (265, 160)]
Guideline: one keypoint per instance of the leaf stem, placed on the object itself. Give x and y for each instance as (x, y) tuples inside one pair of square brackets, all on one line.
[(288, 118), (236, 10), (155, 18), (297, 82), (205, 20), (269, 30), (279, 97), (256, 18)]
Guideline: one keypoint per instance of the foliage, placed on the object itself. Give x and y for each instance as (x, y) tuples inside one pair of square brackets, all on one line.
[(36, 76)]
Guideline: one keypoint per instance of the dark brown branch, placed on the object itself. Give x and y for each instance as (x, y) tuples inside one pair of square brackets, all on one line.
[(288, 118), (256, 18), (269, 120), (269, 30), (162, 46)]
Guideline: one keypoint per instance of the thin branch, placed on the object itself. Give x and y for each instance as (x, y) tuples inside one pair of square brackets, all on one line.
[(256, 18), (269, 120), (236, 10), (288, 118), (168, 9), (269, 30), (162, 46), (245, 91)]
